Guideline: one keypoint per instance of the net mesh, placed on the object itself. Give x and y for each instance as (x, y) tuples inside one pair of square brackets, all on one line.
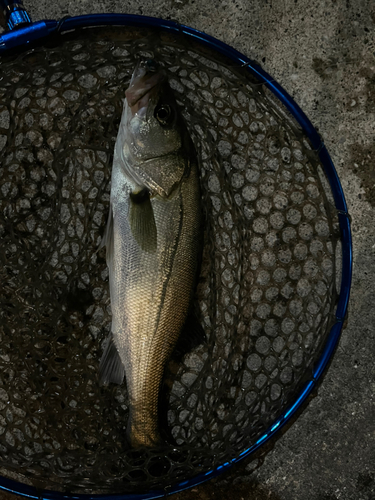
[(266, 294)]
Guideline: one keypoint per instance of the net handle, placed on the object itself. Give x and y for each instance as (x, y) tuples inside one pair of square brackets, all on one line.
[(15, 14)]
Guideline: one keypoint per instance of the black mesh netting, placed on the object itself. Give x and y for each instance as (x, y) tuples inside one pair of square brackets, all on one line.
[(267, 290)]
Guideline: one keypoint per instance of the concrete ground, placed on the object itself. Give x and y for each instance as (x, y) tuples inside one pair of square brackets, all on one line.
[(323, 53)]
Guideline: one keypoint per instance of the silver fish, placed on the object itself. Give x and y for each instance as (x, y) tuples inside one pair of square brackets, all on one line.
[(153, 240)]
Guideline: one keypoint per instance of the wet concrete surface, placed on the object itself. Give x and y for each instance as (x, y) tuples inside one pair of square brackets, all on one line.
[(323, 54)]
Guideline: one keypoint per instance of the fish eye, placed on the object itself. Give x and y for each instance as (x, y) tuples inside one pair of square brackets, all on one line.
[(163, 114)]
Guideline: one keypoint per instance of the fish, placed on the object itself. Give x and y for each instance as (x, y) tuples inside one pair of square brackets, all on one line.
[(153, 242)]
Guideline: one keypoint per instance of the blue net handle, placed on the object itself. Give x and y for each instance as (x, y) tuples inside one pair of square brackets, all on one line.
[(15, 14), (36, 31)]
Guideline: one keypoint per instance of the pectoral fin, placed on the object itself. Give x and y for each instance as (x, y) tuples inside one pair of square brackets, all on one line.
[(111, 368), (142, 221)]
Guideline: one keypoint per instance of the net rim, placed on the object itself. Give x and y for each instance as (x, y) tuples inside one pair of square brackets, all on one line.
[(37, 31)]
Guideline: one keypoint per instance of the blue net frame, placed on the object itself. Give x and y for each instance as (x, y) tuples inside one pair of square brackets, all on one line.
[(28, 33)]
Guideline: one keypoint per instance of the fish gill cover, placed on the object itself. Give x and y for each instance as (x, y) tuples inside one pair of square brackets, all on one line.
[(266, 293)]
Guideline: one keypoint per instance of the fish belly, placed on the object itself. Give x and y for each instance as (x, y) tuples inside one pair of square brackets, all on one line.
[(150, 295)]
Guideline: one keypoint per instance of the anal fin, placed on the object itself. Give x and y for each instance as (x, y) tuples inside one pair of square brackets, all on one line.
[(111, 368)]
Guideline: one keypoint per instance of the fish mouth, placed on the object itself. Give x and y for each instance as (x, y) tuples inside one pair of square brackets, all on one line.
[(145, 85)]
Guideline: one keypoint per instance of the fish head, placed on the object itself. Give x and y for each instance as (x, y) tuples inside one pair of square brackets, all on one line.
[(151, 135)]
